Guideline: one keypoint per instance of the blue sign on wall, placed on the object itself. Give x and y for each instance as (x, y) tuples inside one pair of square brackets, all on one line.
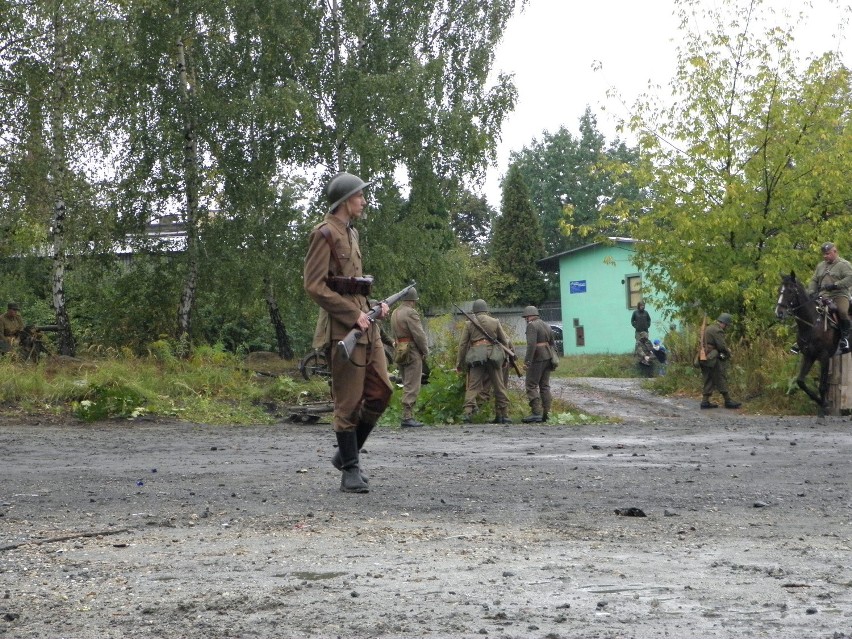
[(577, 287)]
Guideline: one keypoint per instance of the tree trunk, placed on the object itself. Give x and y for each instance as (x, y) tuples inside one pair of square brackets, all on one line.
[(190, 165), (285, 350), (58, 172)]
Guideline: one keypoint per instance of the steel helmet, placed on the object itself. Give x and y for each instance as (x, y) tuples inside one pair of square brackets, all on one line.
[(530, 311), (343, 186), (726, 319), (480, 306), (410, 295)]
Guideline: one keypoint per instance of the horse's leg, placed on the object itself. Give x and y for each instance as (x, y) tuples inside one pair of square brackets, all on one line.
[(801, 380)]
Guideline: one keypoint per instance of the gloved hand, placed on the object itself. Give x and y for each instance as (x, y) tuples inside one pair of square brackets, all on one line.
[(830, 287)]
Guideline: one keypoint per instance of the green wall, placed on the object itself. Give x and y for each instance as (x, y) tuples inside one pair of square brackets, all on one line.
[(593, 284)]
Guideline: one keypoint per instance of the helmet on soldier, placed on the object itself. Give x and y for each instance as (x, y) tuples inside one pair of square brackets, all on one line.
[(480, 306), (530, 311), (726, 319), (13, 306), (410, 295), (343, 186)]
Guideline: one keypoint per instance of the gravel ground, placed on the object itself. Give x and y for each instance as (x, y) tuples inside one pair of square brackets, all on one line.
[(161, 529)]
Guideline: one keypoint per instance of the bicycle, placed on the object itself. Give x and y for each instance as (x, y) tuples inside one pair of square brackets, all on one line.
[(315, 363)]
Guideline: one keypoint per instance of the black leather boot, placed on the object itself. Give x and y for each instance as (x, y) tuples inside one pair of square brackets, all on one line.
[(362, 432), (350, 481), (535, 415), (706, 403), (845, 325), (729, 403)]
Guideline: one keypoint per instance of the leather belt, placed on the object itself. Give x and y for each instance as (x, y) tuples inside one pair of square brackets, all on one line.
[(403, 340), (480, 342), (542, 343)]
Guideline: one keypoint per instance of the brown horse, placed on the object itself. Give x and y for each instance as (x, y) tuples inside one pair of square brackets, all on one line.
[(818, 334)]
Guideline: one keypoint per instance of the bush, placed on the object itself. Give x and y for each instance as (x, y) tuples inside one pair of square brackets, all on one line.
[(111, 399)]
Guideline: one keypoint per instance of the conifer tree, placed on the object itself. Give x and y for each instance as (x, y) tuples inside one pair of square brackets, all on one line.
[(517, 243)]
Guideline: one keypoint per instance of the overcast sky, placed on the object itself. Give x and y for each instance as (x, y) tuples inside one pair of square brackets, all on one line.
[(554, 47)]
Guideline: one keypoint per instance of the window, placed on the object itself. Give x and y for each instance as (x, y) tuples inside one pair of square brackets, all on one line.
[(634, 290)]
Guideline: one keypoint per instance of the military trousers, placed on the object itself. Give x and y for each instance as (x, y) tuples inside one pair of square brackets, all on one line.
[(537, 385), (715, 378), (479, 377), (412, 374), (362, 381)]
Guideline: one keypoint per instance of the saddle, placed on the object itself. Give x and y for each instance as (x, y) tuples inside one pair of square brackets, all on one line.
[(827, 309)]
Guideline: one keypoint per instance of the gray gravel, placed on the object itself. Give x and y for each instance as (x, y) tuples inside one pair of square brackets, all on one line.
[(135, 529)]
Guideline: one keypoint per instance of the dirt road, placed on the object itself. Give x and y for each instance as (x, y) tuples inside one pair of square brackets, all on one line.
[(137, 529)]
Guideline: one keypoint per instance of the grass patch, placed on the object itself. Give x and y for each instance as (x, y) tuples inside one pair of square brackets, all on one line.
[(214, 387)]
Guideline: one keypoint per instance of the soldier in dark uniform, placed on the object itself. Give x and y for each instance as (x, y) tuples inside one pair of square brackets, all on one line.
[(715, 368), (333, 278), (641, 319), (483, 362), (644, 354), (410, 352), (537, 363)]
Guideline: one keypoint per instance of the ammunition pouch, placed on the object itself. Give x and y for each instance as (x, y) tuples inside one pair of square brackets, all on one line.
[(350, 285), (402, 354)]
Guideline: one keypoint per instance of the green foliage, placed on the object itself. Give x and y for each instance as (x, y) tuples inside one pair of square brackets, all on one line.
[(517, 243), (747, 169), (108, 400), (570, 177)]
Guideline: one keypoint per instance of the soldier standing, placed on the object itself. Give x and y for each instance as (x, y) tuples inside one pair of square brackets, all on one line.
[(333, 278), (640, 319), (410, 352), (537, 362), (714, 369), (483, 362)]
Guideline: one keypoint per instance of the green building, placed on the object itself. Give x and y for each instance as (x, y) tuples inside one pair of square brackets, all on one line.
[(600, 288)]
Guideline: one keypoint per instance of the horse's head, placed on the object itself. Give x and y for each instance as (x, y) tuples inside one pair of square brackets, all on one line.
[(789, 296)]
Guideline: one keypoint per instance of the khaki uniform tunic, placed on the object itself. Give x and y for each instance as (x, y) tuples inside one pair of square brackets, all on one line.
[(537, 363), (483, 361), (715, 368), (408, 329), (360, 386), (10, 329), (839, 274)]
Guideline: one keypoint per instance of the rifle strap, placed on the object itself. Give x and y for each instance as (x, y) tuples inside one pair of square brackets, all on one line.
[(326, 233)]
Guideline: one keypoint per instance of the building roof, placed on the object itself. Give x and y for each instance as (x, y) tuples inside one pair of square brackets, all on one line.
[(550, 264)]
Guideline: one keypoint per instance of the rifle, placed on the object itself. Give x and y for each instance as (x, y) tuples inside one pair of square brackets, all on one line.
[(347, 344), (702, 353), (510, 355)]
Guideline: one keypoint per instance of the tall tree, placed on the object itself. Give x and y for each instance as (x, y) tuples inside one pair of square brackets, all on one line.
[(748, 168), (404, 88), (472, 218), (51, 71), (571, 178), (517, 242)]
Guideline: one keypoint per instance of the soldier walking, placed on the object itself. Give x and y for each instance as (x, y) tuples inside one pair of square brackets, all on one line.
[(334, 279), (537, 362), (410, 353)]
